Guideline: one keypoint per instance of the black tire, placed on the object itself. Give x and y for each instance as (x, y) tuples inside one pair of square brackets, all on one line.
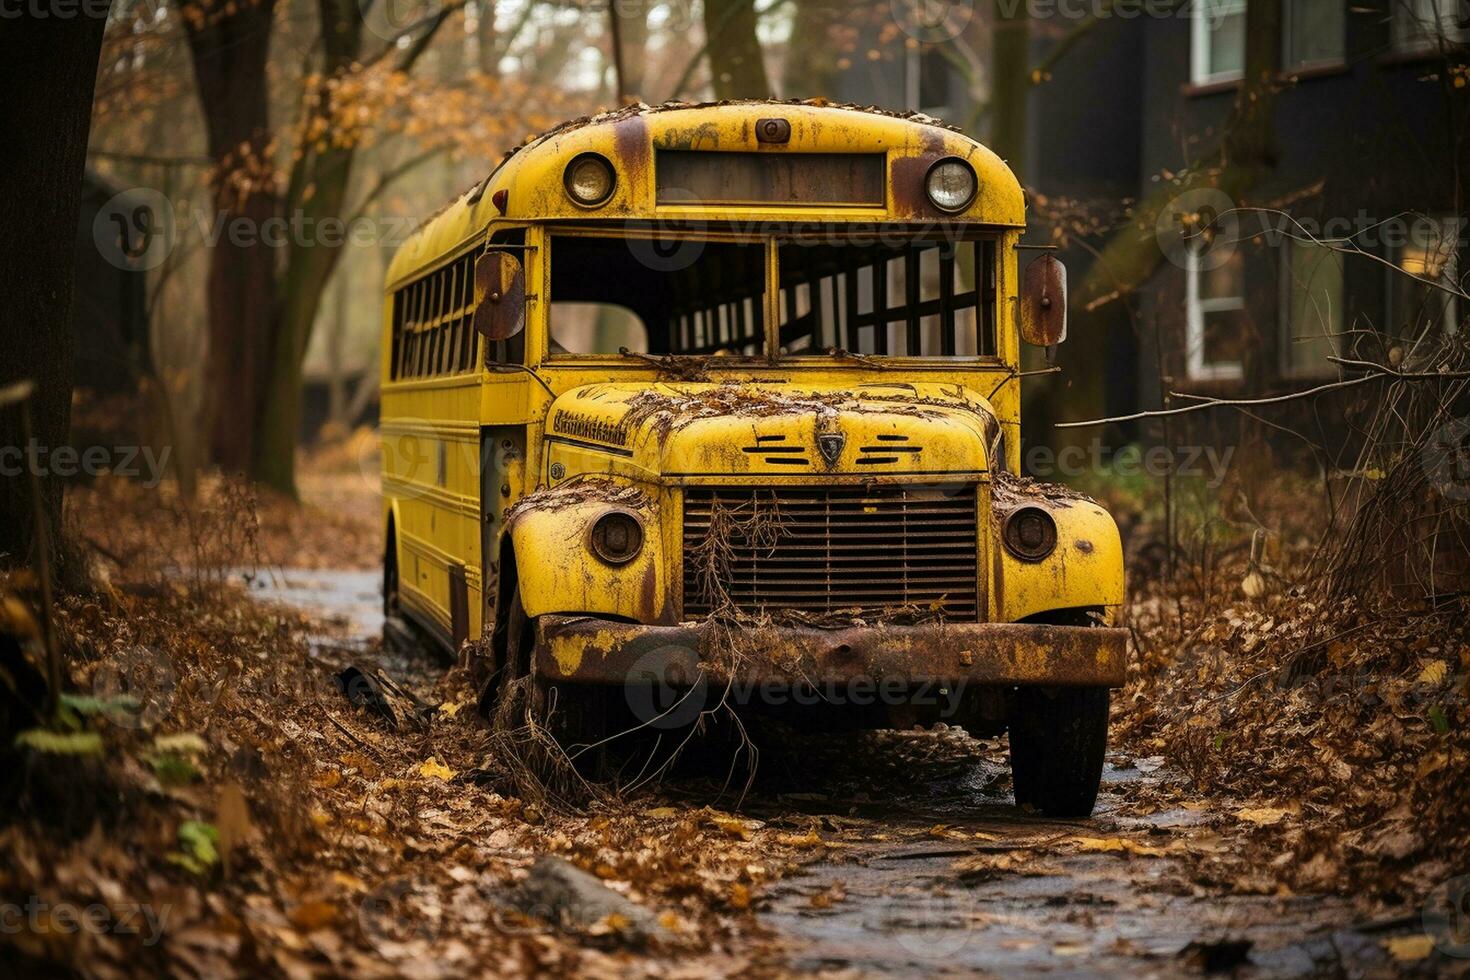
[(573, 714), (390, 576), (1058, 740)]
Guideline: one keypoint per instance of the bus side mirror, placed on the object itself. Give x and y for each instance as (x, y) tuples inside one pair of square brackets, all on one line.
[(500, 296), (1044, 303)]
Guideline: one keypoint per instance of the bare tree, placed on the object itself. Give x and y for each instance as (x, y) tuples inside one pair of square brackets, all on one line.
[(737, 69), (48, 69), (230, 46)]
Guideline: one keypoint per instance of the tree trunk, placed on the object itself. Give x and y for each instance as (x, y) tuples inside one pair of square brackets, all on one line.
[(48, 67), (630, 23), (811, 56), (320, 180), (488, 41), (230, 48), (1012, 85), (737, 70)]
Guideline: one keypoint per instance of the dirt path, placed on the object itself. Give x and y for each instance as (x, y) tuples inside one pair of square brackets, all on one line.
[(926, 866)]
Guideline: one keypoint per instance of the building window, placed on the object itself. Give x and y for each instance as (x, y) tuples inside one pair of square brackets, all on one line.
[(1217, 50), (1312, 304), (1425, 25), (1420, 311), (1313, 33), (1214, 314)]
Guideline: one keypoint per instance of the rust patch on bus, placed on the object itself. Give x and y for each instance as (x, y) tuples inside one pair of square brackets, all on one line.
[(704, 136), (907, 185), (630, 142), (982, 653)]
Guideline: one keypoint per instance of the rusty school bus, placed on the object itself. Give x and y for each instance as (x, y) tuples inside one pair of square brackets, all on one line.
[(727, 398)]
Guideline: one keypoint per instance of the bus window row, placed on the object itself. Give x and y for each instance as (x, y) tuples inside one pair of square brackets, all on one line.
[(432, 331)]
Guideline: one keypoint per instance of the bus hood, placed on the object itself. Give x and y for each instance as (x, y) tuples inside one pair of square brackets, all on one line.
[(714, 430)]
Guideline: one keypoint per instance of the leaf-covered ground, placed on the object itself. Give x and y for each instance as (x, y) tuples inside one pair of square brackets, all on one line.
[(1283, 776)]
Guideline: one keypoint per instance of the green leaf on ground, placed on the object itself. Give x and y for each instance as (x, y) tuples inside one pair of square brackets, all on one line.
[(60, 743)]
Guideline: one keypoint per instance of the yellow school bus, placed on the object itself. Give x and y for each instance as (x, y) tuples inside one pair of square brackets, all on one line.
[(721, 403)]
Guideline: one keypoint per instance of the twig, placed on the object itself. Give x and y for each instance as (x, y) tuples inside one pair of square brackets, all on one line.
[(1219, 402)]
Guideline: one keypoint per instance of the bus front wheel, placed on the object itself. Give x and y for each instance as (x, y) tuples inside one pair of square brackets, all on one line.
[(1058, 740)]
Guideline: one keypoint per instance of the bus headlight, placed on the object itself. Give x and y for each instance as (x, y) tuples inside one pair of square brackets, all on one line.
[(951, 184), (1029, 533), (589, 180), (617, 537)]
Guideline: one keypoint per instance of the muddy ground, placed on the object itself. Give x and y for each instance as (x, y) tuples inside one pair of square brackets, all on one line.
[(1252, 822), (927, 867)]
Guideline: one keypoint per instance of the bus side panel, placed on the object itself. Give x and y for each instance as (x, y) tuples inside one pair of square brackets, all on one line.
[(431, 468)]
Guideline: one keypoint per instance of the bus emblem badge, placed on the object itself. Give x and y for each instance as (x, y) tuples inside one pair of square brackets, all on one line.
[(831, 446)]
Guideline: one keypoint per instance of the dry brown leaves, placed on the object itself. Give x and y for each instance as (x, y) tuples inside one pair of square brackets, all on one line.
[(268, 826), (1340, 732)]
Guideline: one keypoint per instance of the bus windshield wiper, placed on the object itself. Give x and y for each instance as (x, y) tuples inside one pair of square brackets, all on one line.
[(842, 352), (684, 367)]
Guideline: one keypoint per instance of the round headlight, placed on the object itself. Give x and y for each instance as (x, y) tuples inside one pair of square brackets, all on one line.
[(1030, 534), (617, 537), (589, 180), (951, 184)]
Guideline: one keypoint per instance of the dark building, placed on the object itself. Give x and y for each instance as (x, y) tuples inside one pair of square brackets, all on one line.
[(1370, 141), (1365, 152)]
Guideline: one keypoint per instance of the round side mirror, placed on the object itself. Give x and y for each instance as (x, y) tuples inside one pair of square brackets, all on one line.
[(1044, 302), (500, 296)]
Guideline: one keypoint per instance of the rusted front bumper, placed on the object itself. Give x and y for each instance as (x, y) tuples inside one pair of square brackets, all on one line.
[(591, 650)]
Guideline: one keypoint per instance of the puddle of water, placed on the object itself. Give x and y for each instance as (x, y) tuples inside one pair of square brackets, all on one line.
[(1078, 915), (897, 907), (349, 600)]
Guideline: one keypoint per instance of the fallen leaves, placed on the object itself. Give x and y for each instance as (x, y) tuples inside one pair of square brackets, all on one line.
[(1409, 949), (432, 768), (1264, 816), (1116, 845), (314, 915), (732, 825), (800, 841)]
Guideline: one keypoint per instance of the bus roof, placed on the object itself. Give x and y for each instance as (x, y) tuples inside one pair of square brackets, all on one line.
[(531, 174)]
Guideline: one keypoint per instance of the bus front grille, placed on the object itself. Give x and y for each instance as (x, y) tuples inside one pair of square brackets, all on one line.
[(826, 550)]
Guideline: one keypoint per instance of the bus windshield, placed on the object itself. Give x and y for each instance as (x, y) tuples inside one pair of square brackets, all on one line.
[(700, 297), (656, 296)]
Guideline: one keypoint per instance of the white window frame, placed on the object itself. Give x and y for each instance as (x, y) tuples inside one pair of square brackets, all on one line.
[(1202, 20), (1195, 309), (1423, 37), (1287, 333), (1289, 27)]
